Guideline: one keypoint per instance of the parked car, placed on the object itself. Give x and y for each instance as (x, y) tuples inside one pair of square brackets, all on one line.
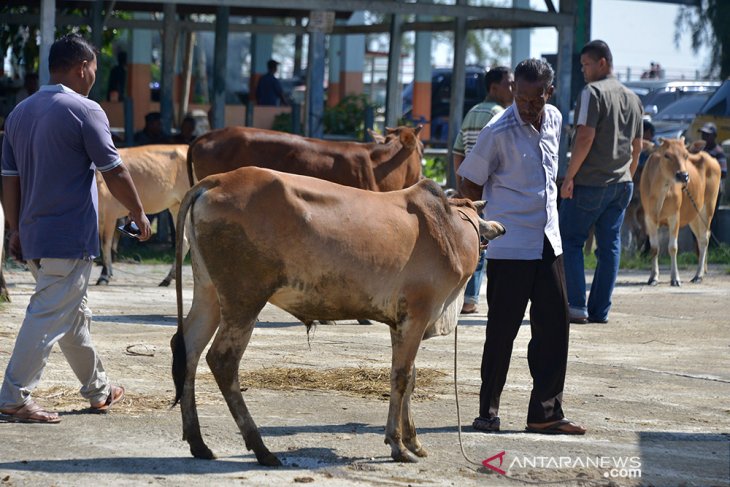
[(716, 110), (673, 121), (657, 94), (474, 92)]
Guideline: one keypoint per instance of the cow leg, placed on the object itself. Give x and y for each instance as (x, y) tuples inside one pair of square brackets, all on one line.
[(186, 246), (410, 439), (652, 230), (4, 295), (106, 230), (198, 328), (224, 358), (673, 247), (404, 348), (702, 234)]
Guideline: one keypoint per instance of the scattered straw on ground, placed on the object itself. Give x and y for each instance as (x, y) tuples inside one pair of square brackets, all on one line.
[(360, 381)]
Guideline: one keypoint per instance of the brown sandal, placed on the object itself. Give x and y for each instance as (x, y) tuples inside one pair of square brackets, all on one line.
[(116, 394), (30, 412)]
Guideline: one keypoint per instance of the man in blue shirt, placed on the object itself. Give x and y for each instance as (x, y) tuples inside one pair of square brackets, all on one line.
[(54, 141), (268, 89), (514, 166)]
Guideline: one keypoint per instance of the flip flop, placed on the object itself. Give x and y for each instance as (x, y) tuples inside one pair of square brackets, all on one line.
[(116, 394), (561, 427), (30, 412)]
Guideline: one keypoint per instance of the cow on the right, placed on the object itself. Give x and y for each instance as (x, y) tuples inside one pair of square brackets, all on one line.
[(677, 189)]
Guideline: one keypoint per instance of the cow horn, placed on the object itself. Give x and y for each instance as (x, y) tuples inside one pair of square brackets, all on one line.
[(419, 127), (479, 205), (491, 229)]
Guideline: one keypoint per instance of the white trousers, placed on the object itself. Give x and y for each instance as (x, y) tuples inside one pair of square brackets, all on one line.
[(57, 313)]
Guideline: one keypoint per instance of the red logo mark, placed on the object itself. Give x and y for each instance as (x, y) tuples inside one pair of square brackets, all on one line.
[(487, 464)]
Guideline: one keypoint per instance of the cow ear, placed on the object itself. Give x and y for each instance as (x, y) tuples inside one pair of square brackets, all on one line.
[(479, 205), (697, 146), (390, 130), (376, 136)]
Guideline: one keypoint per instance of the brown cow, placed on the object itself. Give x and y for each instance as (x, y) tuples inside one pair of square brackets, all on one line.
[(394, 163), (318, 250), (679, 188), (158, 172)]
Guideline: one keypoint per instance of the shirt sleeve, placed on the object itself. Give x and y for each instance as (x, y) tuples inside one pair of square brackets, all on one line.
[(98, 141), (9, 167), (587, 109), (482, 160), (459, 142)]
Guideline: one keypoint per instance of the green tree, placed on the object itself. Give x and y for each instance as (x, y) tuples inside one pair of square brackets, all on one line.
[(708, 24)]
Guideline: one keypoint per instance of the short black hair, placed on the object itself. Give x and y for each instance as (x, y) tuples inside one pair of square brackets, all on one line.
[(495, 75), (152, 117), (648, 127), (535, 70), (68, 52), (598, 49), (271, 65)]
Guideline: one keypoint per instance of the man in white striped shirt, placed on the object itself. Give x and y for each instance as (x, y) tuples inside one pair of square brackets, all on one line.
[(498, 81)]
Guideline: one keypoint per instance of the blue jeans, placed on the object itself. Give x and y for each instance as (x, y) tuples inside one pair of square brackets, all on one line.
[(604, 208), (471, 293)]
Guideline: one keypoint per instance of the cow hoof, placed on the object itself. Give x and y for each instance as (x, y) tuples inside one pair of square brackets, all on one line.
[(102, 281), (327, 322), (676, 283), (419, 451), (202, 452), (4, 297), (652, 282), (696, 280), (165, 282), (404, 456), (268, 459), (365, 322)]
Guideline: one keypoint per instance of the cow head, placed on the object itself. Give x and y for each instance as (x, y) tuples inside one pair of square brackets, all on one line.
[(673, 156), (408, 137), (487, 229)]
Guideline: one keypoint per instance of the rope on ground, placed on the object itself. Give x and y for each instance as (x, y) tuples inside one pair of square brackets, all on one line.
[(564, 481)]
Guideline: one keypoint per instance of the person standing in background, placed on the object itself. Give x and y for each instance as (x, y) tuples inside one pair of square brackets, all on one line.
[(498, 82), (268, 89), (598, 183)]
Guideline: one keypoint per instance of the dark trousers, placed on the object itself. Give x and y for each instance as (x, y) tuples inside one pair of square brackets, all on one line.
[(510, 284)]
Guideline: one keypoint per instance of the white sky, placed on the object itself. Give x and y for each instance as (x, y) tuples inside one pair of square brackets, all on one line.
[(638, 33)]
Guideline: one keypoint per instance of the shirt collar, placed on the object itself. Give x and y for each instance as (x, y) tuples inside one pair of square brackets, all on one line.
[(522, 122), (59, 88)]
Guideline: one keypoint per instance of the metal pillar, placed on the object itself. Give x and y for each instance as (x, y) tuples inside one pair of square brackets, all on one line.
[(458, 79), (97, 28), (315, 85), (393, 103), (563, 80), (48, 22), (169, 32), (220, 57), (520, 37)]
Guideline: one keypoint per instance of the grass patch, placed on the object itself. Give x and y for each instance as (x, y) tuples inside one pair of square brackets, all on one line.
[(717, 255)]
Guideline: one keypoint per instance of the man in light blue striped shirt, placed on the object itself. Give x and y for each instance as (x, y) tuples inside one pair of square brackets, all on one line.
[(514, 166)]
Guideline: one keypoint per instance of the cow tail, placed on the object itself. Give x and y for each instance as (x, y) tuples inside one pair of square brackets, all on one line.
[(177, 343), (191, 178)]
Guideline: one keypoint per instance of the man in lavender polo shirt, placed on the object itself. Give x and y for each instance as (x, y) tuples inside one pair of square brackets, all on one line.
[(513, 166), (54, 140)]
